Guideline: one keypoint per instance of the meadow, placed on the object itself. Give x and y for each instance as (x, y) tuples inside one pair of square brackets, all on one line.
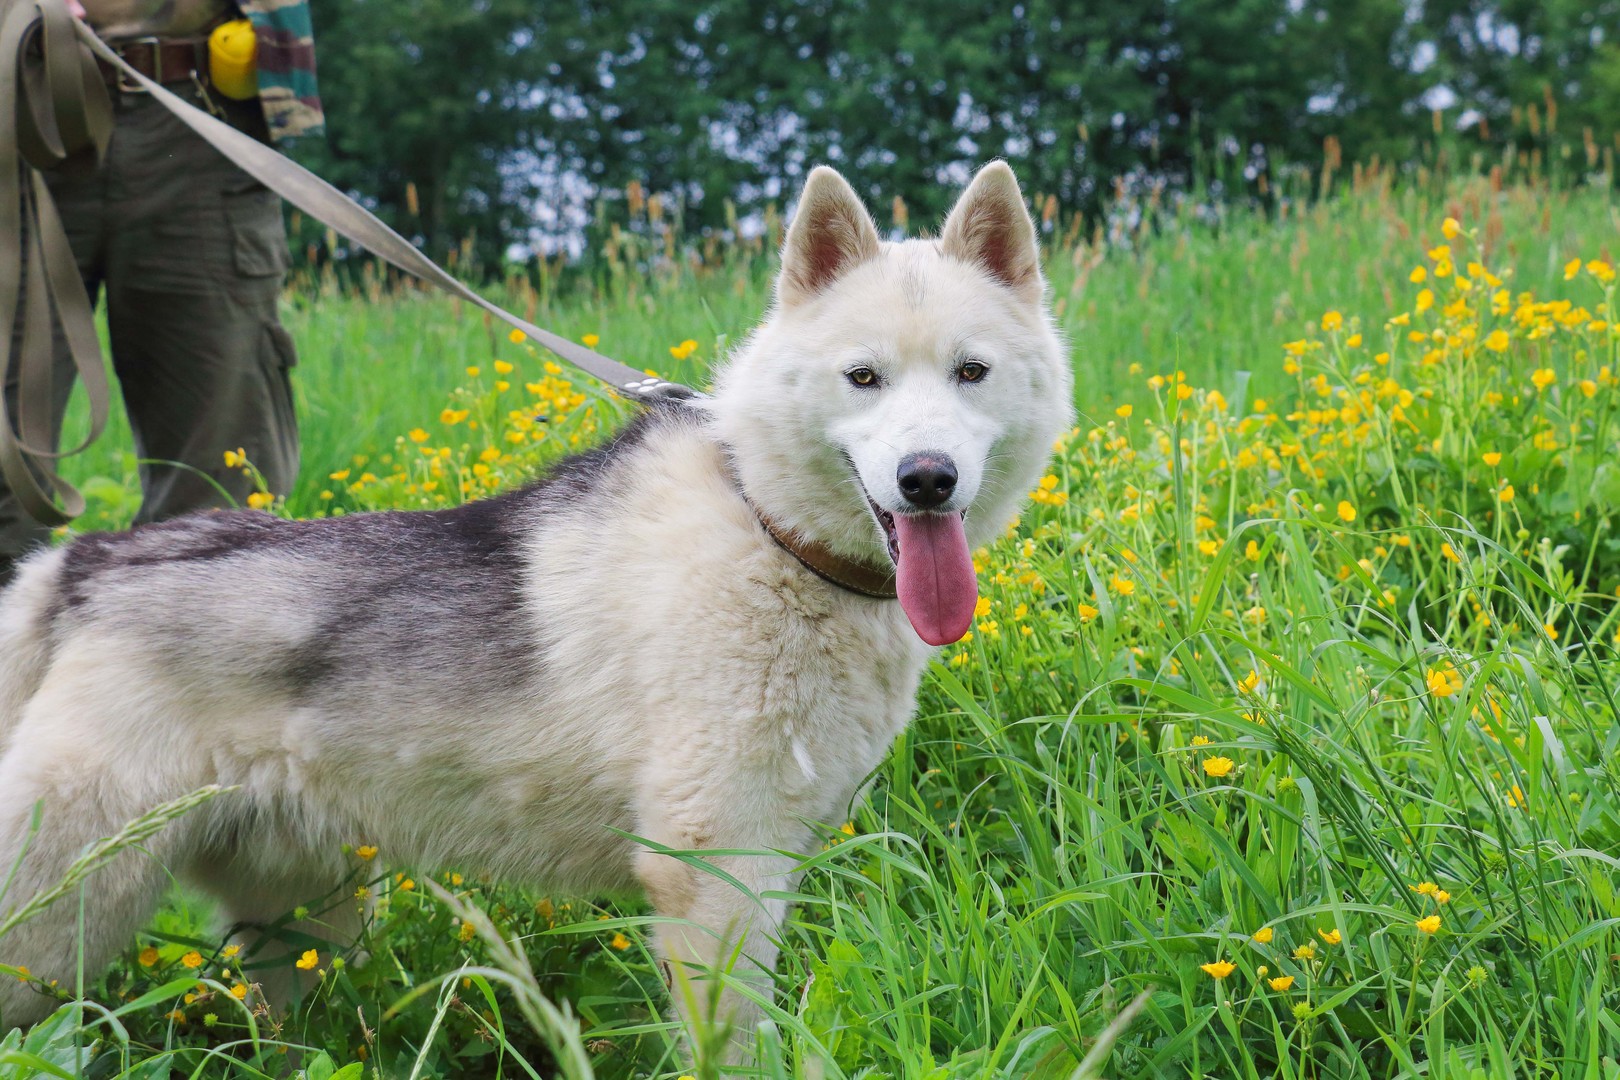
[(1284, 743)]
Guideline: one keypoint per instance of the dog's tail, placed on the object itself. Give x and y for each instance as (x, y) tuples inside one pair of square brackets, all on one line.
[(26, 606)]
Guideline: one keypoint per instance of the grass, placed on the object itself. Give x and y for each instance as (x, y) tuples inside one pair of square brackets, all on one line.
[(1284, 743)]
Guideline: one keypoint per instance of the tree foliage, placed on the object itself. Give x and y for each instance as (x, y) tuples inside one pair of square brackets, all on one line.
[(493, 107)]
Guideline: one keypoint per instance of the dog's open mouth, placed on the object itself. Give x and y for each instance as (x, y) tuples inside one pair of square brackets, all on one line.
[(886, 521), (934, 576)]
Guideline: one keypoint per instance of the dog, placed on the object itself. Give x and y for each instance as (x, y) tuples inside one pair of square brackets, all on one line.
[(704, 634)]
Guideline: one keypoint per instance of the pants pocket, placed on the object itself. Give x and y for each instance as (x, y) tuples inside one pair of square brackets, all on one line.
[(277, 453), (258, 236)]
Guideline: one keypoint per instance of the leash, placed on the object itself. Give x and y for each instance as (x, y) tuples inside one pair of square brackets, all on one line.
[(62, 109)]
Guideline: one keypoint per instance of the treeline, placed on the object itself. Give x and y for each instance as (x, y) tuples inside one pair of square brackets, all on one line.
[(461, 117)]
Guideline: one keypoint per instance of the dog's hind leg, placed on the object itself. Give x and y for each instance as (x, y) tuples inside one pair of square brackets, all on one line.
[(80, 787), (263, 906)]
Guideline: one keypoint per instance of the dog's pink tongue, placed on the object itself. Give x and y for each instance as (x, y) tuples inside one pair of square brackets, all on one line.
[(935, 577)]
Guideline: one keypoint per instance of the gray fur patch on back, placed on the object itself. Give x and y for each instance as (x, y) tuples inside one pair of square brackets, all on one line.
[(329, 611)]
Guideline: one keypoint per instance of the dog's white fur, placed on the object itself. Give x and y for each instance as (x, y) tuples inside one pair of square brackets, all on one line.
[(698, 687)]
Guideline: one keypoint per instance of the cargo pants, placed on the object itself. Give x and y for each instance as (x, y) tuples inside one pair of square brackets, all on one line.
[(191, 254)]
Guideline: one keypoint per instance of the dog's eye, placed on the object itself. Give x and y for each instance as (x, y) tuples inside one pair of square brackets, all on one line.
[(862, 376), (972, 371)]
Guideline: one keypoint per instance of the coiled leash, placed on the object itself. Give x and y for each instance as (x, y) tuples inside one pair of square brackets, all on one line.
[(61, 110)]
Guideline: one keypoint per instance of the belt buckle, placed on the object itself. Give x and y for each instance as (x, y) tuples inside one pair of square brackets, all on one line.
[(151, 42)]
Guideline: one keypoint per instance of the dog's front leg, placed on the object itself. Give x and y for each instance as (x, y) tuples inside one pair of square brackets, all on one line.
[(720, 948)]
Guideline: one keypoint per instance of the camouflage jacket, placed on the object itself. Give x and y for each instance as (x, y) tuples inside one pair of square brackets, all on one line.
[(286, 59)]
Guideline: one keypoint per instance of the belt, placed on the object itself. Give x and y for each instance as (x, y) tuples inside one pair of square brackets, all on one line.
[(163, 60)]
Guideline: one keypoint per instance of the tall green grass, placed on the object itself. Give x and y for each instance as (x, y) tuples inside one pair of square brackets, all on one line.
[(1054, 860)]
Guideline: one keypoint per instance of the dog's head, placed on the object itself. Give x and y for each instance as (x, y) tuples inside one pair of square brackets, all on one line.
[(901, 398)]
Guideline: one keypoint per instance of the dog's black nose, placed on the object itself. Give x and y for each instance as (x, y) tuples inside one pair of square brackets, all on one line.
[(927, 479)]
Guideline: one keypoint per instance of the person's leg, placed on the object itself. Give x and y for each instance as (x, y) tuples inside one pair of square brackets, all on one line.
[(77, 194), (195, 268)]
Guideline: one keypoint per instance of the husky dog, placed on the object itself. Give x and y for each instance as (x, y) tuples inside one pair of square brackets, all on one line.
[(704, 634)]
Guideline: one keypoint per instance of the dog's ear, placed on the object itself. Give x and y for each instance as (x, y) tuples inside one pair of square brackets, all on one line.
[(831, 234), (991, 228)]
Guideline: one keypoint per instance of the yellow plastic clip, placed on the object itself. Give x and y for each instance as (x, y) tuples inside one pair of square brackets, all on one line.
[(232, 54)]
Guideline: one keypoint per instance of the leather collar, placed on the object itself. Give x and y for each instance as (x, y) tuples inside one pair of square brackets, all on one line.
[(857, 577), (863, 579)]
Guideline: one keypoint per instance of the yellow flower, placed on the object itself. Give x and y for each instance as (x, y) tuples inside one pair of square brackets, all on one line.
[(1450, 228), (1247, 684), (1123, 412), (1443, 682), (1543, 377), (1429, 925), (1281, 983), (1424, 888), (1450, 552), (1332, 937), (467, 932), (502, 368), (1418, 275), (231, 951), (341, 474), (452, 416), (1123, 585), (1441, 896), (1497, 341), (148, 957), (1087, 613), (1425, 300), (1251, 551), (1506, 494), (684, 349), (1572, 268), (192, 960), (1346, 511), (366, 851), (258, 500), (233, 458), (620, 942), (1220, 969), (308, 961), (1353, 341), (1551, 631), (1332, 321), (1263, 935), (418, 435), (472, 371), (1218, 766), (517, 337), (1493, 458), (591, 340), (1305, 952)]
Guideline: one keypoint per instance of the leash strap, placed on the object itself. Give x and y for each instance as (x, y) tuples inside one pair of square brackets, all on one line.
[(62, 109)]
